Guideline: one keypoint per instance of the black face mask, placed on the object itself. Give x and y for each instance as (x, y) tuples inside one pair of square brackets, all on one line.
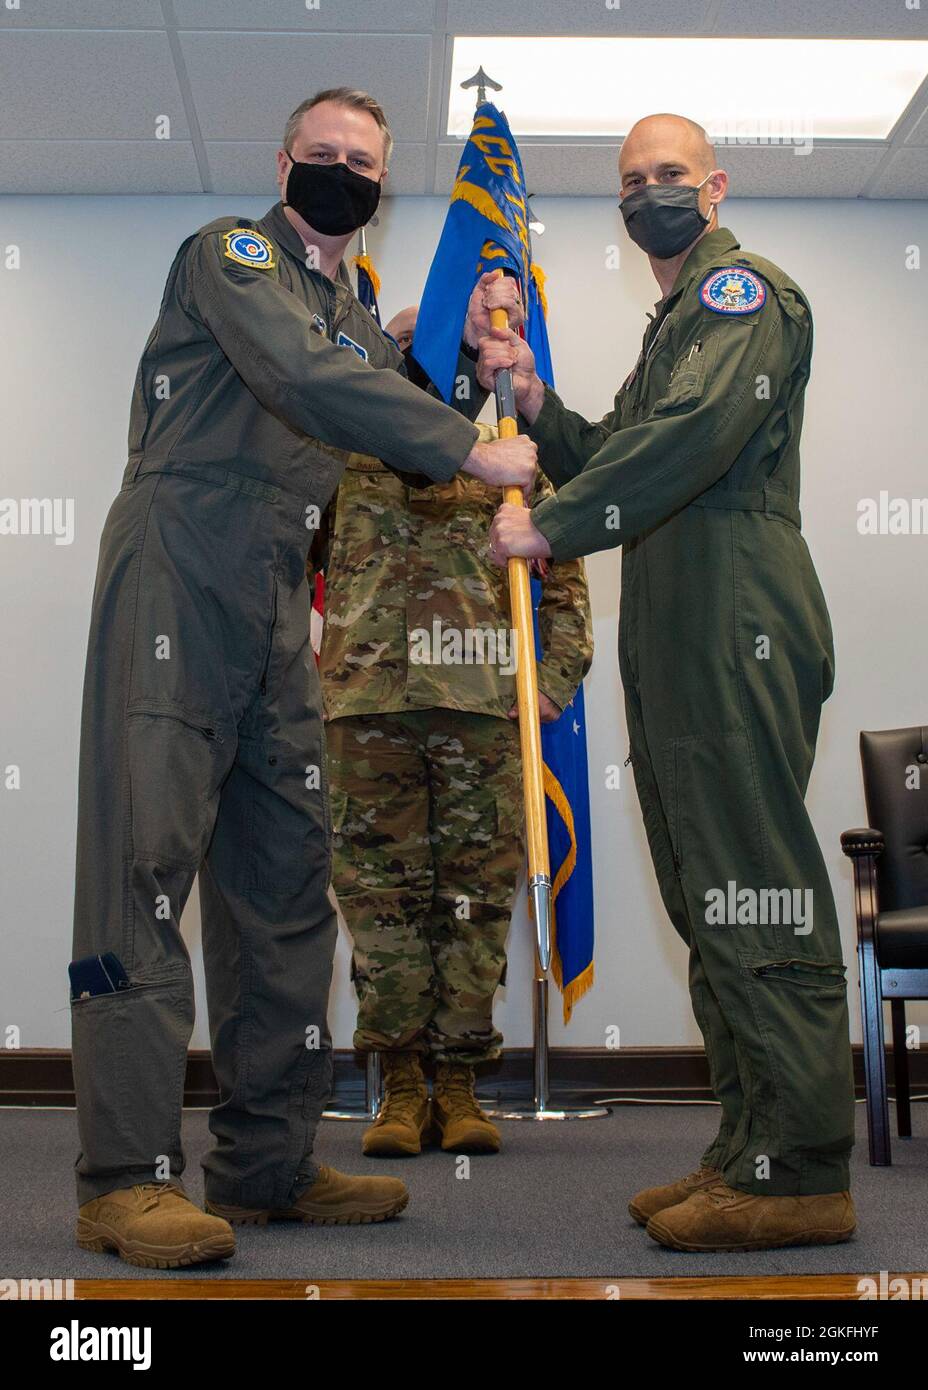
[(663, 219), (331, 197)]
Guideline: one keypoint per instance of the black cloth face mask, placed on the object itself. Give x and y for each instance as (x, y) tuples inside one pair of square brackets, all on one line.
[(331, 197), (663, 219)]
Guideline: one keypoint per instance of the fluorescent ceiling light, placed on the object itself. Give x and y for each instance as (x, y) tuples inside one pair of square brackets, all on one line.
[(827, 89)]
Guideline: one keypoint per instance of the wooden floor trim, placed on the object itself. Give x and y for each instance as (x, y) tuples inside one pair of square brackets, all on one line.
[(44, 1076), (804, 1287)]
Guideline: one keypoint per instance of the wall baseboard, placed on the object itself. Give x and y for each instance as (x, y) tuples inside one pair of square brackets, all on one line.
[(43, 1076)]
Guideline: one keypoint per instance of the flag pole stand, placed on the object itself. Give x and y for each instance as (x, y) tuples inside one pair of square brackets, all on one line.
[(373, 1095), (544, 1106)]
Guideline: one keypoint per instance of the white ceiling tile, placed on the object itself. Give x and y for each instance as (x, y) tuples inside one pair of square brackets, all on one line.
[(829, 171), (346, 16), (576, 17), (409, 171), (82, 14), (73, 77), (591, 170), (248, 167), (560, 170), (245, 85), (905, 176), (98, 166), (840, 19), (88, 86)]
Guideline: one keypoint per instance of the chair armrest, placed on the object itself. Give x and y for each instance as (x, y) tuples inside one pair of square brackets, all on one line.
[(864, 841), (863, 847)]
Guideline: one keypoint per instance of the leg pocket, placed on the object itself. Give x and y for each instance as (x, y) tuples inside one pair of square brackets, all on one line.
[(176, 767), (177, 764), (799, 1008), (714, 816)]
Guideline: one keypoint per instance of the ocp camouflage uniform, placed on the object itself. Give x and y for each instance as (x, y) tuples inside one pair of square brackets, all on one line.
[(424, 763)]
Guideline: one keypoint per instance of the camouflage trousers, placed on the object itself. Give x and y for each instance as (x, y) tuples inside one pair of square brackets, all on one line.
[(427, 851)]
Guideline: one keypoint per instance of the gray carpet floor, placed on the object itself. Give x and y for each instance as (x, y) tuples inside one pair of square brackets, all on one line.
[(551, 1204)]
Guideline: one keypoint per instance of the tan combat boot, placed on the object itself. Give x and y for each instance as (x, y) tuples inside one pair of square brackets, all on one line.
[(155, 1225), (404, 1119), (333, 1200), (720, 1218), (462, 1124), (651, 1200)]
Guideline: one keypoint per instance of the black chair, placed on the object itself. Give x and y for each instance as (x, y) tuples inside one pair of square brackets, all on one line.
[(891, 900)]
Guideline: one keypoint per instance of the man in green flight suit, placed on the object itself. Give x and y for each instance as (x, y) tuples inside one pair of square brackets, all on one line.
[(418, 678), (201, 740), (726, 655)]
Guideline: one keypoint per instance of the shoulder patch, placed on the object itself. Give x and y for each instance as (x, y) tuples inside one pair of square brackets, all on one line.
[(245, 246), (733, 291)]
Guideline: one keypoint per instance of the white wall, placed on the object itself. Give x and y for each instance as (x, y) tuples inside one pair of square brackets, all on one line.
[(75, 317)]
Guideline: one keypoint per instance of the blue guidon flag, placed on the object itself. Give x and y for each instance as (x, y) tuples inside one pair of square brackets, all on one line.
[(567, 802), (486, 227)]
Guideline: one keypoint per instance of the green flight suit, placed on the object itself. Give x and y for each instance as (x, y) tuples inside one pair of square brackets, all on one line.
[(726, 655), (202, 745)]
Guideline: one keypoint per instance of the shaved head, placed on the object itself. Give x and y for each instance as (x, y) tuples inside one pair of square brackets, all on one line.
[(670, 138), (402, 326), (667, 151)]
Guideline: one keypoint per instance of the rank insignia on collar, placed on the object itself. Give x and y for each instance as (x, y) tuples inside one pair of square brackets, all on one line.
[(733, 291), (344, 341), (248, 247)]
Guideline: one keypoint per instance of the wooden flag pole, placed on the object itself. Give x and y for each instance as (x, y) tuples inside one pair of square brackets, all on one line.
[(520, 597), (536, 824)]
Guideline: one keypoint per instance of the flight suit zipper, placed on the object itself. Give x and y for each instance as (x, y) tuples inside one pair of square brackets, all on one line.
[(760, 971), (656, 329), (207, 730)]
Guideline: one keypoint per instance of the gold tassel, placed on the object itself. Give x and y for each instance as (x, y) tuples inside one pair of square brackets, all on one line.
[(539, 277), (365, 263)]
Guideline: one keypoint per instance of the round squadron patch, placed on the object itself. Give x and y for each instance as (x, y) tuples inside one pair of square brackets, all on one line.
[(734, 291), (248, 247)]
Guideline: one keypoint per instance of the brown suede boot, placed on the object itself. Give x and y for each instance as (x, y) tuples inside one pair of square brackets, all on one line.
[(333, 1200), (154, 1225), (720, 1218), (462, 1124), (404, 1119), (651, 1200)]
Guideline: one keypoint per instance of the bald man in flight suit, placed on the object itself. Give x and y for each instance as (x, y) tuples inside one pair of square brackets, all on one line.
[(725, 650), (201, 743)]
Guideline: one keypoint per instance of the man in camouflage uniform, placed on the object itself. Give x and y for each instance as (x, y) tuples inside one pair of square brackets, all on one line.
[(425, 776)]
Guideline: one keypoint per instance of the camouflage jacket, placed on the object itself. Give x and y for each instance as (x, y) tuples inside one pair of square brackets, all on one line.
[(416, 615)]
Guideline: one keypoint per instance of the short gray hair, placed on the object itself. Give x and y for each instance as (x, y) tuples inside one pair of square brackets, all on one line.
[(342, 96)]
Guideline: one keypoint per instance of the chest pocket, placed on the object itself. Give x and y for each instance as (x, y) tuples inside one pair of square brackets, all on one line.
[(688, 378)]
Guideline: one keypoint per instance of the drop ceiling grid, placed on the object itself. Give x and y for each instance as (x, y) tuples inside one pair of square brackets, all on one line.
[(78, 75)]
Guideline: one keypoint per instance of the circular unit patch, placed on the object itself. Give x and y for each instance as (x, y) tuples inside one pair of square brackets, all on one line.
[(248, 247), (734, 291)]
